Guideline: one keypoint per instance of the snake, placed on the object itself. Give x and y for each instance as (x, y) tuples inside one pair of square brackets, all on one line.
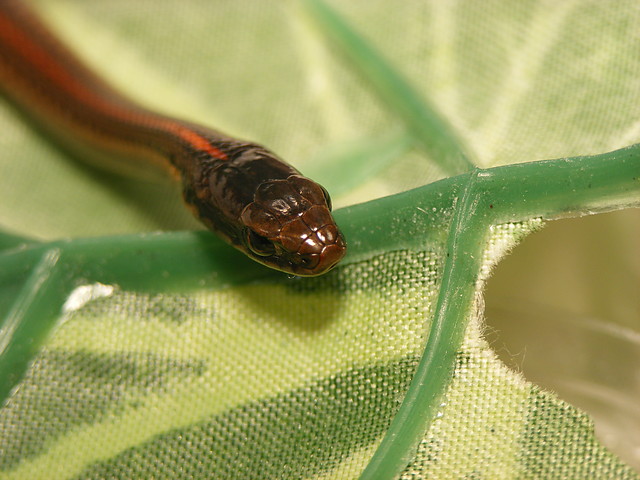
[(238, 189)]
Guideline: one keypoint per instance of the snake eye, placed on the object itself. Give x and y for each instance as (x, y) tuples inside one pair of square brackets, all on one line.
[(258, 244), (326, 197)]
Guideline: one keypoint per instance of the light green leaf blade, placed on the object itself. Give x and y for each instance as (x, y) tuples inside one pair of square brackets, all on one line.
[(217, 370)]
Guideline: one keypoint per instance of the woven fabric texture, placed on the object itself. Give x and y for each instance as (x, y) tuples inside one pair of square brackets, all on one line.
[(301, 379)]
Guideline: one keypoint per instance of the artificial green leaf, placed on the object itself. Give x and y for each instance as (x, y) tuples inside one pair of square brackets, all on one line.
[(168, 356)]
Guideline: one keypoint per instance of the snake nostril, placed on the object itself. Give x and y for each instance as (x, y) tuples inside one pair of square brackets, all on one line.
[(307, 261)]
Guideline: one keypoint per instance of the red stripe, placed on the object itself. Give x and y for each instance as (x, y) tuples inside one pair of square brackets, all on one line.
[(196, 140), (65, 81)]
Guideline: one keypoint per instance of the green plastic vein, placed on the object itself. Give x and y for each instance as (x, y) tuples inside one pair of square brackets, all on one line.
[(430, 131), (446, 333), (548, 189), (17, 340)]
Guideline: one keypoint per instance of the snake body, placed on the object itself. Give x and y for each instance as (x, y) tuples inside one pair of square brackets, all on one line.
[(240, 190)]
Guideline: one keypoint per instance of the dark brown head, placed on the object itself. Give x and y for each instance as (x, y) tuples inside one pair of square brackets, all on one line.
[(289, 226)]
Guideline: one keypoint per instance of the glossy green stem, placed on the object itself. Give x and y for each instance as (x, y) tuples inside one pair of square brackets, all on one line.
[(446, 333), (547, 189)]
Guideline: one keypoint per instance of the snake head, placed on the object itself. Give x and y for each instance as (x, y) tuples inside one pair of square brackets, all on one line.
[(289, 226)]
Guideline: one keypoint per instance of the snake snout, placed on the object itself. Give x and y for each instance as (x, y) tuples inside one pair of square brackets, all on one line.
[(320, 251)]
